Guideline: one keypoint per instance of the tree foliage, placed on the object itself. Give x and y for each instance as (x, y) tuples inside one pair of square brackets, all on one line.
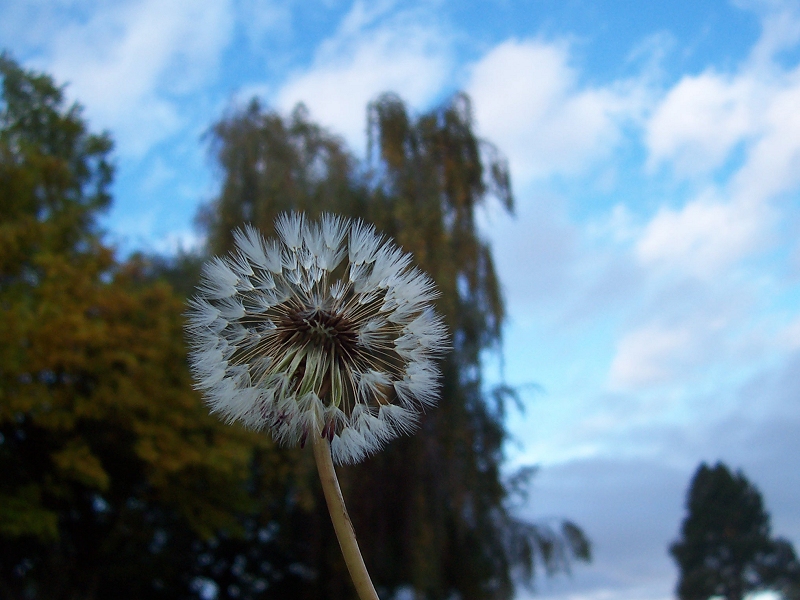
[(293, 163), (113, 477), (725, 547), (432, 510), (115, 482)]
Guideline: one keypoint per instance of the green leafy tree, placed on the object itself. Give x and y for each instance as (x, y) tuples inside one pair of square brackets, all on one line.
[(725, 547), (432, 511), (114, 480)]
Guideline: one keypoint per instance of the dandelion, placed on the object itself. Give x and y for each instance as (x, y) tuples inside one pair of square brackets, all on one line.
[(326, 334), (327, 331)]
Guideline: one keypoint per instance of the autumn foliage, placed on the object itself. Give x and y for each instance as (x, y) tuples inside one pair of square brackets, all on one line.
[(105, 449)]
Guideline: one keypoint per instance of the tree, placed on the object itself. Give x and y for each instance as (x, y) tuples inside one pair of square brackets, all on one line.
[(725, 547), (114, 479), (270, 165), (432, 510)]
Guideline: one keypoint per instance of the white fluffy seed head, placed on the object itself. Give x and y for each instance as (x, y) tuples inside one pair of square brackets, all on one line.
[(326, 331)]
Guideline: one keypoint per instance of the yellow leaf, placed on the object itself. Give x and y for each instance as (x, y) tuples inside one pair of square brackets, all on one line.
[(77, 462)]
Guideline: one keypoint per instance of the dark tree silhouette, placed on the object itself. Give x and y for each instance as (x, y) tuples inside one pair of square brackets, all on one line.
[(432, 510), (114, 479), (725, 548)]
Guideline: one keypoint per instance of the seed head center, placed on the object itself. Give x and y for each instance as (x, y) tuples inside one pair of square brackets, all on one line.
[(321, 328)]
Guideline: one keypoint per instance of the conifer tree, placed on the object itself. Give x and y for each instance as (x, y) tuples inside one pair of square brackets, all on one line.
[(726, 548)]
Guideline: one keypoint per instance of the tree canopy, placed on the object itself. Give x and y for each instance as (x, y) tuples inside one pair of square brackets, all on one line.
[(726, 548), (432, 510), (112, 473), (115, 482)]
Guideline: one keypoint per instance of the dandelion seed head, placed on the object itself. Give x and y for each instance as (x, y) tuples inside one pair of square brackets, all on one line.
[(325, 331)]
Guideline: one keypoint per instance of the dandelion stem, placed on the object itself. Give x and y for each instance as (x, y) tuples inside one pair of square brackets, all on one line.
[(341, 520)]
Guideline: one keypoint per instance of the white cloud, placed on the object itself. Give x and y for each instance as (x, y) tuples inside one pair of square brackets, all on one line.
[(260, 19), (780, 28), (748, 114), (701, 120), (176, 242), (691, 334), (706, 119), (528, 102), (367, 56), (772, 167), (703, 236), (731, 145), (130, 62), (543, 239), (650, 355), (736, 135)]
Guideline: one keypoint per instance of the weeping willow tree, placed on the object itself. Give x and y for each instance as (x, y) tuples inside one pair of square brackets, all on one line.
[(432, 511), (270, 165)]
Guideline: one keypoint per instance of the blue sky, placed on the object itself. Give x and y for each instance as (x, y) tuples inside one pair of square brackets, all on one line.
[(652, 271)]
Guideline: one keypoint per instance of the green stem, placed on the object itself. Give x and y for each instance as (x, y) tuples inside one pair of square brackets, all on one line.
[(341, 520)]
